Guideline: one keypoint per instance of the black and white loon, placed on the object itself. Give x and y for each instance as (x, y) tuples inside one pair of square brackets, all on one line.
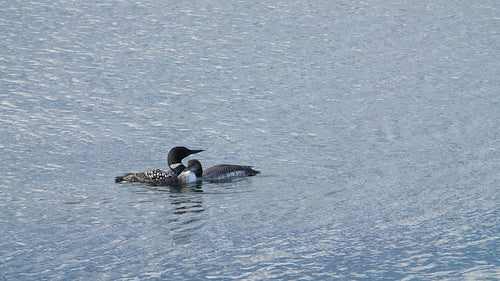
[(166, 177)]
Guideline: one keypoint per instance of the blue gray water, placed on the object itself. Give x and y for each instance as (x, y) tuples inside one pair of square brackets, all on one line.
[(375, 126)]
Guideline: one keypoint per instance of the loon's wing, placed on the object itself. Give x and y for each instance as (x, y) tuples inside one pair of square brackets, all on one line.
[(155, 177), (225, 171)]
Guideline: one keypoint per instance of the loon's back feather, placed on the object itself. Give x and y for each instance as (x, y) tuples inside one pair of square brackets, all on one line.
[(155, 177), (225, 171)]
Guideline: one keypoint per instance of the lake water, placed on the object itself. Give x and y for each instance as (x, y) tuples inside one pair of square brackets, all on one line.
[(374, 124)]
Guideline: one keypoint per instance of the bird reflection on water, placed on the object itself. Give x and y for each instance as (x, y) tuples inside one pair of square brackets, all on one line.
[(180, 209), (186, 214), (181, 214)]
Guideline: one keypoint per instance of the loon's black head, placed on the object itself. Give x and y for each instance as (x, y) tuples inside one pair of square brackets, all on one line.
[(175, 157), (194, 166)]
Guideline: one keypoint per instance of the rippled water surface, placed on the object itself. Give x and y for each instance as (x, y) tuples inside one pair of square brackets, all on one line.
[(374, 124)]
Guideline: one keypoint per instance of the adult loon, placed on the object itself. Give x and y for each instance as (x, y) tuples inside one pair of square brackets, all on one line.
[(164, 177)]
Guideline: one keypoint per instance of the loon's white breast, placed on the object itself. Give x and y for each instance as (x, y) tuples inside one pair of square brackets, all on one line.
[(187, 177)]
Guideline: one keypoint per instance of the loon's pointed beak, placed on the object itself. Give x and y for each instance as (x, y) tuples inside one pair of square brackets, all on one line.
[(195, 151)]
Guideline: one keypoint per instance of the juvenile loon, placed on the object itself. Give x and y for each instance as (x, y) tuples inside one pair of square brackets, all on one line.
[(160, 176), (194, 172), (226, 171)]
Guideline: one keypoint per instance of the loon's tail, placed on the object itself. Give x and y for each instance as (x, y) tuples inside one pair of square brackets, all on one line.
[(252, 172), (126, 177)]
